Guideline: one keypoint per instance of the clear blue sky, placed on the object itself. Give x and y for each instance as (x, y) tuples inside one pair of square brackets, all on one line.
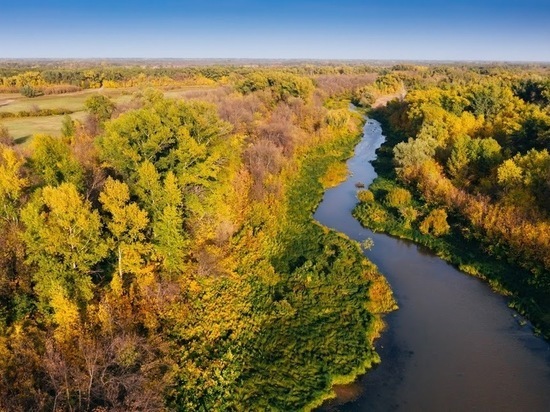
[(513, 30)]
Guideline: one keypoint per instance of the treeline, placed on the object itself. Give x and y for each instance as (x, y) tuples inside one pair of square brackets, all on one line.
[(35, 113), (37, 79), (476, 148), (34, 80), (161, 255)]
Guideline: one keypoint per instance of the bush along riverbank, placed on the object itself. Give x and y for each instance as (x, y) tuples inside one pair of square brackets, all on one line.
[(327, 312), (392, 206)]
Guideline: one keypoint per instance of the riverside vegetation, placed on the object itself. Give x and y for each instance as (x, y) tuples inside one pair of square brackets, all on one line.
[(465, 171), (157, 249), (159, 253)]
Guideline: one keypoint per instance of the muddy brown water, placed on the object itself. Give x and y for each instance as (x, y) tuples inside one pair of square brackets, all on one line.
[(453, 345)]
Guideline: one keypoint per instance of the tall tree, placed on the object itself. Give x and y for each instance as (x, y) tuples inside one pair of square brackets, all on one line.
[(53, 162), (64, 242), (127, 224), (100, 106), (12, 183), (68, 127)]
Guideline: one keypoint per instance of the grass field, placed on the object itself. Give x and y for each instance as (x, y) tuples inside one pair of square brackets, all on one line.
[(23, 128), (15, 102), (182, 93), (71, 101)]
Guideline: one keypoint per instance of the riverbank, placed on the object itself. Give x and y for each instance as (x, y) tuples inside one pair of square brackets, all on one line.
[(327, 303), (453, 344), (464, 252), (317, 174)]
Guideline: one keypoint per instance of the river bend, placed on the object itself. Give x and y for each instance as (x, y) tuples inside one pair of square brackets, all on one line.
[(453, 345)]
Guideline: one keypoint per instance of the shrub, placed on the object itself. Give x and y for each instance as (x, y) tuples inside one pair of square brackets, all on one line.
[(435, 223), (398, 197), (29, 91), (363, 97), (61, 89), (68, 127), (409, 214), (5, 137), (365, 196), (372, 215), (100, 106), (335, 174)]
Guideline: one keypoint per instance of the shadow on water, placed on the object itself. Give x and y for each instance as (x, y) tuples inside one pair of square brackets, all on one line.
[(453, 345)]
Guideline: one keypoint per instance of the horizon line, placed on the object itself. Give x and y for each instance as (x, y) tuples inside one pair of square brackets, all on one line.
[(273, 59)]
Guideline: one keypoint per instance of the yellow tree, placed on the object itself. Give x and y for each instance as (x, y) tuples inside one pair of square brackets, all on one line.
[(435, 223), (64, 241), (14, 279), (12, 183), (127, 224)]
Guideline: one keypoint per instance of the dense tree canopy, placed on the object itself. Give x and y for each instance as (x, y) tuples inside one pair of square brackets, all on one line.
[(162, 255), (473, 148)]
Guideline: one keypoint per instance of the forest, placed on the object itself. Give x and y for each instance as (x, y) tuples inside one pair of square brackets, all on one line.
[(466, 172), (158, 252), (157, 246)]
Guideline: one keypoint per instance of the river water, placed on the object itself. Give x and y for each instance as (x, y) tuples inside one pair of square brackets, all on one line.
[(453, 345)]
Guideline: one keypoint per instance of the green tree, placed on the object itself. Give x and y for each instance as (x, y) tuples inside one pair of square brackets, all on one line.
[(253, 82), (453, 102), (533, 91), (14, 279), (459, 160), (536, 180), (169, 240), (413, 153), (29, 91), (185, 138), (163, 200), (68, 127), (168, 232), (53, 162), (148, 188), (283, 86), (100, 106), (488, 155)]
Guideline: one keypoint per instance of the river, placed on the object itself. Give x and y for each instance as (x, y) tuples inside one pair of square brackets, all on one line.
[(453, 345)]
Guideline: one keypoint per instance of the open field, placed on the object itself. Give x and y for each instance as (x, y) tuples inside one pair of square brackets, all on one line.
[(71, 101), (183, 93), (22, 128), (15, 102)]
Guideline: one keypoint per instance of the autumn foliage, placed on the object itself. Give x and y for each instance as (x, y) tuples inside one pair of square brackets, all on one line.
[(162, 255), (474, 148)]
